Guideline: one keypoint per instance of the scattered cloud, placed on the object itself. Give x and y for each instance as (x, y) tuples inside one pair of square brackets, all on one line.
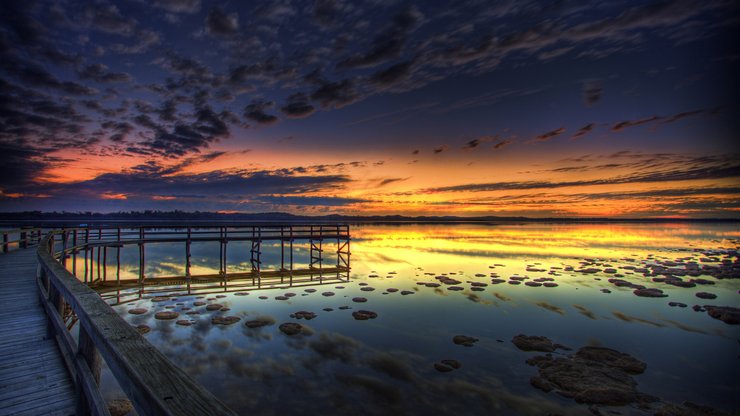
[(501, 144), (256, 112), (298, 106), (713, 172), (219, 23), (440, 149), (550, 134), (583, 131)]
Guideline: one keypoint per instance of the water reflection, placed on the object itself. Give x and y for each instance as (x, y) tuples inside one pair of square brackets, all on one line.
[(339, 365)]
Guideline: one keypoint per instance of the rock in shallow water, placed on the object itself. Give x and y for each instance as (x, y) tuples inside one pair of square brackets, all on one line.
[(303, 315), (362, 315), (138, 311), (225, 320), (727, 314), (143, 329), (290, 328), (166, 315), (706, 295), (445, 366), (535, 343), (464, 340), (258, 323), (650, 293), (594, 375)]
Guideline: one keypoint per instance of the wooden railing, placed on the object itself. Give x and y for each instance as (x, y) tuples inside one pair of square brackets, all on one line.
[(69, 242), (26, 238), (152, 382)]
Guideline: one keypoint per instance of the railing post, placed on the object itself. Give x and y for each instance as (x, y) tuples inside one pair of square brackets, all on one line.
[(86, 349), (23, 240), (5, 242), (141, 255), (64, 248), (187, 256)]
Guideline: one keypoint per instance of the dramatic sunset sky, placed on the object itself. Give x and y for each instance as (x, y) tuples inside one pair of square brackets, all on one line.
[(552, 108)]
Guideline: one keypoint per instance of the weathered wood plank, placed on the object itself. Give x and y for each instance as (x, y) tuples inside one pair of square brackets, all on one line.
[(33, 377)]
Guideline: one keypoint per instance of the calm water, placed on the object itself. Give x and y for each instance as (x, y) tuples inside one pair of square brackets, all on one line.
[(340, 365)]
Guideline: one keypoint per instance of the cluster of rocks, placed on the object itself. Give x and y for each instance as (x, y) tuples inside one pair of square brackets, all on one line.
[(593, 375)]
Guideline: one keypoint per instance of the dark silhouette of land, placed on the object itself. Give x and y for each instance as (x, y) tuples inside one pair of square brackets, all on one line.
[(54, 219)]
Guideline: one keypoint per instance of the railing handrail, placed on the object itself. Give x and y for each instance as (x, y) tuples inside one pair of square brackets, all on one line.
[(26, 236), (131, 234), (151, 381)]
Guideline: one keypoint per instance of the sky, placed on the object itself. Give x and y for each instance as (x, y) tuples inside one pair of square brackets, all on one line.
[(371, 107)]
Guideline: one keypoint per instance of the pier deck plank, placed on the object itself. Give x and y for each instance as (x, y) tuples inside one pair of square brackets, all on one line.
[(33, 377)]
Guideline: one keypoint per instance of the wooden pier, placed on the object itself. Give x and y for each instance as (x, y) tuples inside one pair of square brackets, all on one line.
[(33, 377), (44, 369), (100, 250)]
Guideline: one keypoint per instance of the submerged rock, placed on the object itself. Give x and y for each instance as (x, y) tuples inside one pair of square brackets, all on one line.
[(445, 366), (464, 340), (706, 295), (143, 329), (594, 375), (214, 307), (138, 311), (612, 358), (649, 293), (184, 322), (303, 315), (225, 320), (362, 315), (327, 294), (290, 328), (535, 343), (407, 292), (166, 315), (359, 299), (259, 322), (727, 314)]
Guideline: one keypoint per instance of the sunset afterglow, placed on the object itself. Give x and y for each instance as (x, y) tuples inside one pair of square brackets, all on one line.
[(621, 109)]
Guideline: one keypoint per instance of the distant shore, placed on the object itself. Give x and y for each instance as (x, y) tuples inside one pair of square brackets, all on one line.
[(204, 219)]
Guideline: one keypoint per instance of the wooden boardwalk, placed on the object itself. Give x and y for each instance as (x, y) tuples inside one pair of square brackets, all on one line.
[(33, 377)]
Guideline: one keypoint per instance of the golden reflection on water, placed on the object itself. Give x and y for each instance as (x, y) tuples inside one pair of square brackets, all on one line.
[(421, 244), (420, 326)]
